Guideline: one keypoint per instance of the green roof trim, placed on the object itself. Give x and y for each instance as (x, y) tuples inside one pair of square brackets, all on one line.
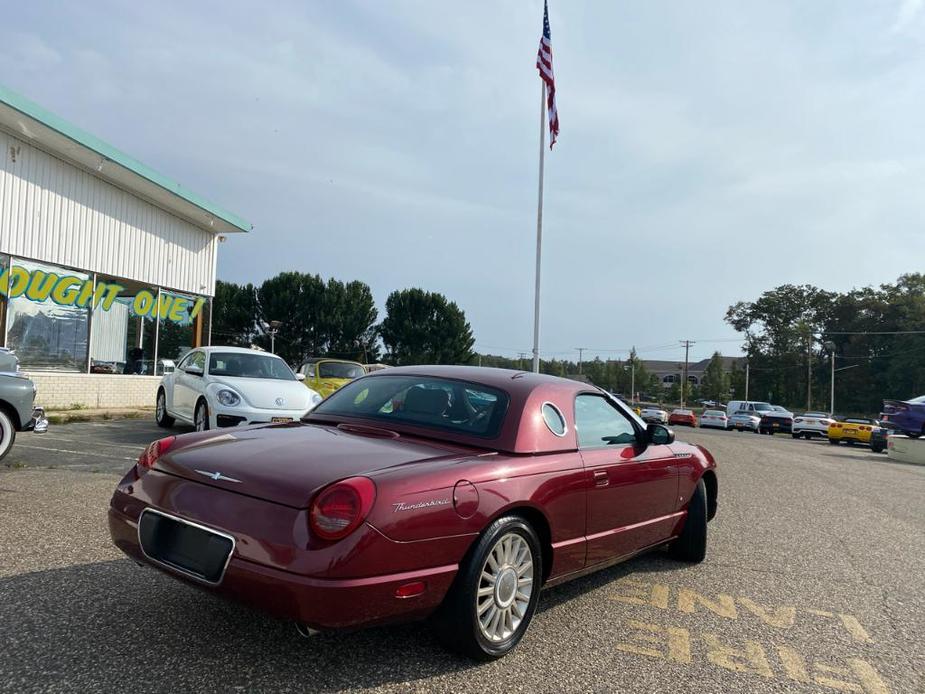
[(104, 149)]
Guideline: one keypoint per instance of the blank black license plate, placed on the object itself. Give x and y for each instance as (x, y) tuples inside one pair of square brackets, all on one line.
[(189, 548)]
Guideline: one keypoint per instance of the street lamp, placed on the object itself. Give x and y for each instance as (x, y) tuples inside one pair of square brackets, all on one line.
[(830, 346), (632, 380), (274, 328)]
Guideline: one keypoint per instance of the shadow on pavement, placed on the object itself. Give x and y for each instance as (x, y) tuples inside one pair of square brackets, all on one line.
[(117, 626)]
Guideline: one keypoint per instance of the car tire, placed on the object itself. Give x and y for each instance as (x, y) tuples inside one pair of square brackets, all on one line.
[(691, 544), (459, 621), (834, 442), (877, 448), (201, 416), (7, 434), (163, 419)]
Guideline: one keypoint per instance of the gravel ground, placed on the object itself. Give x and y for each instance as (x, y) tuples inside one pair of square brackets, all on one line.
[(814, 582)]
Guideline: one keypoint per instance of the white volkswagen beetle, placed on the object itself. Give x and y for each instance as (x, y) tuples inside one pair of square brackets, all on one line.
[(215, 387)]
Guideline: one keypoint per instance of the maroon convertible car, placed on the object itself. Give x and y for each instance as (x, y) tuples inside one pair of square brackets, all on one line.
[(450, 492)]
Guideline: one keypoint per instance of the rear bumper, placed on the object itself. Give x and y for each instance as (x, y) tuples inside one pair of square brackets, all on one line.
[(317, 602)]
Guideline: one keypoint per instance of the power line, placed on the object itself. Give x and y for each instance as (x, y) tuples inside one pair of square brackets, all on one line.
[(875, 332)]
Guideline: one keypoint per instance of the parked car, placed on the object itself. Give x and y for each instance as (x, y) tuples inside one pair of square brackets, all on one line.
[(384, 525), (879, 438), (775, 423), (810, 424), (654, 415), (18, 411), (375, 367), (682, 417), (905, 416), (759, 408), (716, 419), (743, 420), (216, 387), (327, 375), (852, 430)]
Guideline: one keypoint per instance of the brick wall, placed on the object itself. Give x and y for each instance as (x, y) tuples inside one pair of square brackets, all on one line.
[(61, 390)]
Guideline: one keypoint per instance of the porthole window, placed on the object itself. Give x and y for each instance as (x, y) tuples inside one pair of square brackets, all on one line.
[(554, 419)]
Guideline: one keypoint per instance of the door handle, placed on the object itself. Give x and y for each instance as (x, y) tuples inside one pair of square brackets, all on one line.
[(600, 478)]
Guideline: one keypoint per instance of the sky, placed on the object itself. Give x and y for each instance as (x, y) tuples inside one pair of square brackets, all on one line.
[(708, 151)]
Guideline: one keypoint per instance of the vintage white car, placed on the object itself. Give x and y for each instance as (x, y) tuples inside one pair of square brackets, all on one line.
[(214, 387)]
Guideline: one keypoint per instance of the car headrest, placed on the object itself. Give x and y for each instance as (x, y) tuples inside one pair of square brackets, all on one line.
[(426, 401)]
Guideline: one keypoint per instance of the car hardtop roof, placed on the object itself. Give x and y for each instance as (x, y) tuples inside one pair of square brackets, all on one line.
[(509, 380), (235, 350), (315, 360)]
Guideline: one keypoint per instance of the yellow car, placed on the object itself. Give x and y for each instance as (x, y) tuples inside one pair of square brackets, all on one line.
[(327, 375), (852, 430)]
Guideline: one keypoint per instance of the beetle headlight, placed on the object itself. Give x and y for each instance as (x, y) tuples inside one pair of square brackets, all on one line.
[(228, 397), (313, 400)]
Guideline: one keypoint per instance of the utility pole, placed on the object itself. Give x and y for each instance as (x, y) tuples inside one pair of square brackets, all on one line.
[(687, 347), (809, 372), (520, 360), (747, 366), (581, 351)]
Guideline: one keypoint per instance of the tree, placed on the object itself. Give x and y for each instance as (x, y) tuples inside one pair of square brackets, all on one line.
[(787, 328), (715, 383), (424, 328), (234, 314)]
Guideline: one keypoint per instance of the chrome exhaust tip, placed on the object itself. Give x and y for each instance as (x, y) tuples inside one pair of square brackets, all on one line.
[(305, 631)]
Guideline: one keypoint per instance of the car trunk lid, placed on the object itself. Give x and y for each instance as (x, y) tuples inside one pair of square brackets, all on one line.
[(291, 463)]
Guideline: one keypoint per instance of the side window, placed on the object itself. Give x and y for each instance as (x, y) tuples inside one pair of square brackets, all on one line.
[(197, 359), (599, 423)]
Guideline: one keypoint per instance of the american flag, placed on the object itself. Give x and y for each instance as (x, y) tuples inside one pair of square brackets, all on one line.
[(544, 65)]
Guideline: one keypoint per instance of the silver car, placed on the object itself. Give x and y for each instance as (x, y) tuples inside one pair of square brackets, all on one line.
[(17, 403), (744, 420)]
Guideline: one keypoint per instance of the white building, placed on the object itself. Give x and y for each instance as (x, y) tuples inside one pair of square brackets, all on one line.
[(107, 268)]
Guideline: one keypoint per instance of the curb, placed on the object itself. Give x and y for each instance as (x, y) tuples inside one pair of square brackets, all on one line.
[(78, 416)]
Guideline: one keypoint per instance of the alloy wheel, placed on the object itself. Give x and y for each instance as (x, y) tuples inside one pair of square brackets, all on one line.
[(505, 587), (201, 418), (161, 407)]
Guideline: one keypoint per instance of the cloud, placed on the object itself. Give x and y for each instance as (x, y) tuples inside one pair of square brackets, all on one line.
[(907, 13)]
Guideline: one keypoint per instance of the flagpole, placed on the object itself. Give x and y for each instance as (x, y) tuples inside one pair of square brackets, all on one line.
[(539, 233)]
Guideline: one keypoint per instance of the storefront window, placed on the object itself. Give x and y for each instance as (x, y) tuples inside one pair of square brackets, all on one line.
[(122, 337), (47, 315), (181, 319)]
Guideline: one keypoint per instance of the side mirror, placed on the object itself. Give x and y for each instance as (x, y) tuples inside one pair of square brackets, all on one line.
[(659, 435), (300, 377), (193, 370)]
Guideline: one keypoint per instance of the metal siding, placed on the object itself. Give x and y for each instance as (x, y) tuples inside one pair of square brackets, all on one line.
[(54, 212)]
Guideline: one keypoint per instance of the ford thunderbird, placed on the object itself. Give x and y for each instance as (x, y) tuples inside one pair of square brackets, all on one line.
[(454, 493)]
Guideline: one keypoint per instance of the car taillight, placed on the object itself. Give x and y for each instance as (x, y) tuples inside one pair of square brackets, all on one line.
[(340, 509), (154, 451), (835, 425)]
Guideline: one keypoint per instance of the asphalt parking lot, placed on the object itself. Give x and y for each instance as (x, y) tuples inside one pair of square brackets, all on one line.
[(814, 582)]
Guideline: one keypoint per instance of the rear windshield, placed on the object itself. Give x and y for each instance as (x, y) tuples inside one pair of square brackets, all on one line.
[(743, 412), (336, 369), (821, 415), (241, 365), (762, 407), (856, 420), (715, 413), (437, 403)]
